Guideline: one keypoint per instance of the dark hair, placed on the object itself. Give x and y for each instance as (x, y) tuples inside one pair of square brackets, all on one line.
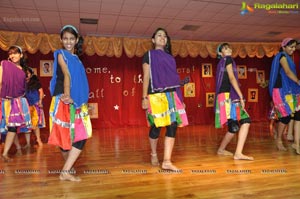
[(17, 49), (219, 49), (168, 47), (71, 29), (288, 44), (30, 70), (34, 82), (14, 49)]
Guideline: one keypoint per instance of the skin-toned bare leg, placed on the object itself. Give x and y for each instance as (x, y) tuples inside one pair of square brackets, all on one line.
[(281, 129), (153, 145), (226, 140), (66, 171), (167, 164), (241, 142)]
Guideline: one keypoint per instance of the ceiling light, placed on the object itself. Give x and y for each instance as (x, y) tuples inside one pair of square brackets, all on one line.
[(190, 27), (88, 21), (273, 33)]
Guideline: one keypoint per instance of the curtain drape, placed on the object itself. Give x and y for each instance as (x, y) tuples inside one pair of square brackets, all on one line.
[(117, 46)]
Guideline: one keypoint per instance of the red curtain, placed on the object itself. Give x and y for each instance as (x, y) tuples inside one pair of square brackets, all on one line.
[(116, 85)]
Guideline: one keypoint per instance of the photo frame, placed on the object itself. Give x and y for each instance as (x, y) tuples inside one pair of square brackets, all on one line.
[(260, 76), (46, 68), (189, 89), (210, 99), (207, 70), (242, 71), (93, 110), (252, 95)]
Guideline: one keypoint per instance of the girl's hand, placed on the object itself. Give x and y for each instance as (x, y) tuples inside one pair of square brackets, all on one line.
[(40, 104), (66, 99), (145, 103), (242, 103)]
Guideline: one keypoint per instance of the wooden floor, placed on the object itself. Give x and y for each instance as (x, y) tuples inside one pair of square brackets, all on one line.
[(115, 164)]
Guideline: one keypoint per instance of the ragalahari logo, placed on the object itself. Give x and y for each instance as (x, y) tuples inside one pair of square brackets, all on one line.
[(246, 8)]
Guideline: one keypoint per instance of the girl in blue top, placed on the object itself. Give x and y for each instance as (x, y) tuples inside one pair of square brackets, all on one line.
[(70, 124), (284, 89)]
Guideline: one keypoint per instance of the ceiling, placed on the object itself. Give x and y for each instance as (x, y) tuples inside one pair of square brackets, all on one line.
[(202, 20)]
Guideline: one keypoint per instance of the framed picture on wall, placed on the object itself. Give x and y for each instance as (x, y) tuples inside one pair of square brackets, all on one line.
[(189, 90), (242, 71), (207, 70), (260, 76), (93, 110), (46, 67), (210, 99), (252, 95)]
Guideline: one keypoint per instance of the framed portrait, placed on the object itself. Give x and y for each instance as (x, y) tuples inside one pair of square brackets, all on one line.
[(210, 99), (252, 95), (260, 76), (189, 90), (46, 68), (93, 110), (242, 71), (207, 70)]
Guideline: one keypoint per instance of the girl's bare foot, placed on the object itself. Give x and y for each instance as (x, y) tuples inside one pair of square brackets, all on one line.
[(40, 143), (27, 146), (154, 159), (242, 157), (297, 148), (69, 177), (19, 152), (167, 165), (280, 146), (224, 152), (5, 158)]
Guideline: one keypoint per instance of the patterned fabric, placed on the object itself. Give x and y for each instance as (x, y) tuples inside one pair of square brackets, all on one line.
[(68, 124), (286, 105), (36, 113), (228, 109), (14, 113), (165, 108), (37, 118)]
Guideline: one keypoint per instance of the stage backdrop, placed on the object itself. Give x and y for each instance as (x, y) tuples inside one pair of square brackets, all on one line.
[(116, 87)]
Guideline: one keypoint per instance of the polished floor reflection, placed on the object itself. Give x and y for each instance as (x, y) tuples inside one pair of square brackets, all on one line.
[(116, 164)]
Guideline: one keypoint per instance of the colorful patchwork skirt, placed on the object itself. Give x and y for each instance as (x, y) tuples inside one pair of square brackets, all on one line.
[(166, 108), (228, 109), (14, 113), (37, 118), (286, 105), (67, 124)]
